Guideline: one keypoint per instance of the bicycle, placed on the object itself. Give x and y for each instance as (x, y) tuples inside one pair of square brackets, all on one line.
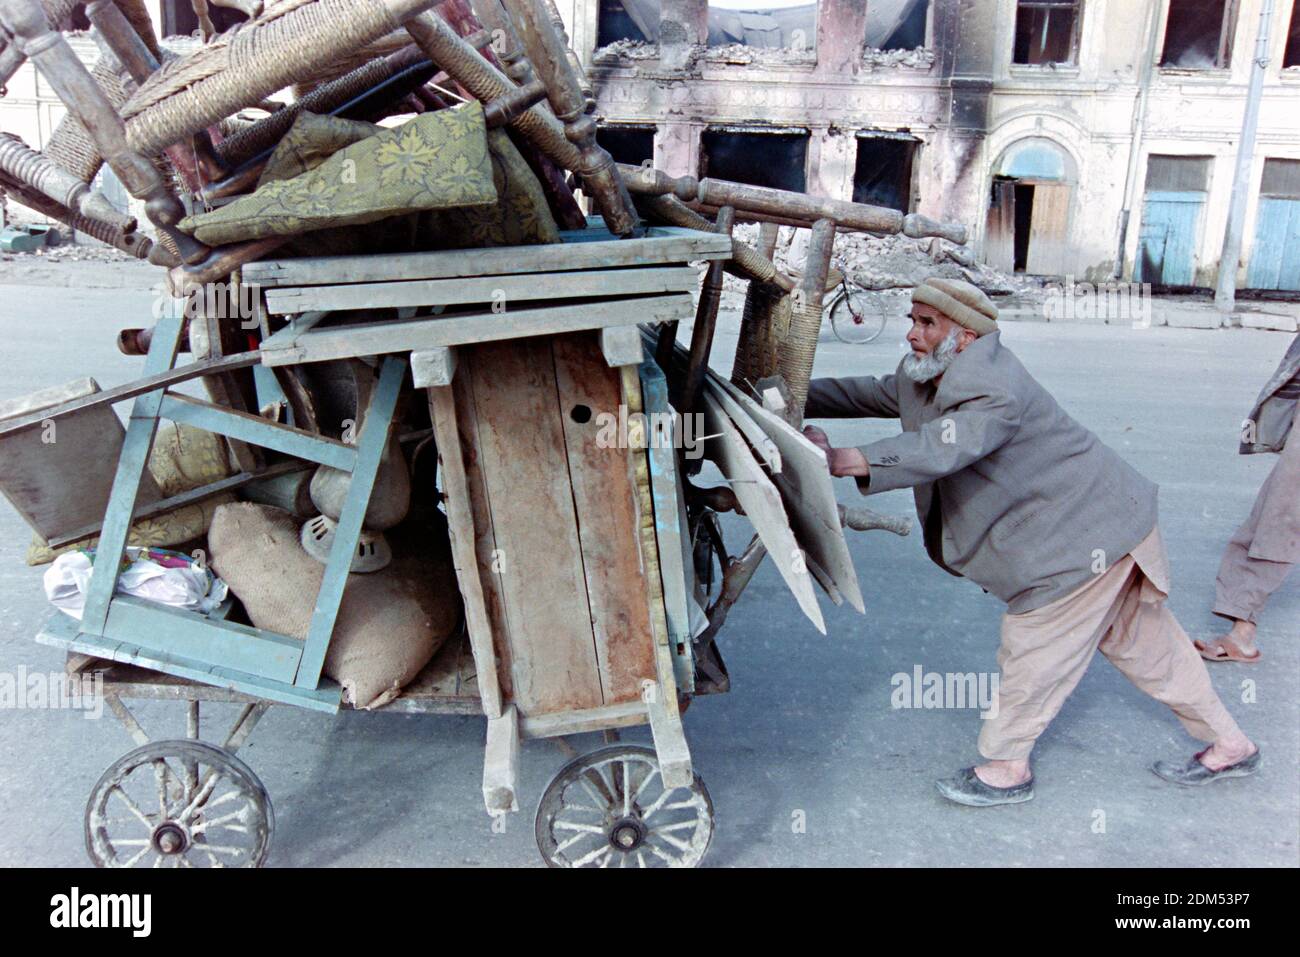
[(857, 314)]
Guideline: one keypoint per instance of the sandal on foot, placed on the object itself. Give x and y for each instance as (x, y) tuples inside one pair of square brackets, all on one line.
[(1194, 773), (966, 788), (1227, 651)]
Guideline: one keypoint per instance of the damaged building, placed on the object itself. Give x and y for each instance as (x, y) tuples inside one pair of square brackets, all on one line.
[(1092, 138), (1075, 137)]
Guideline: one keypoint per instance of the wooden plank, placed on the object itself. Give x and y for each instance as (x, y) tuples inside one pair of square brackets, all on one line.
[(501, 763), (806, 488), (602, 718), (606, 507), (538, 560), (621, 346), (433, 367), (461, 524), (504, 289), (177, 633), (670, 739), (485, 544), (148, 383), (676, 565), (762, 504), (661, 245), (379, 338), (60, 631), (263, 432)]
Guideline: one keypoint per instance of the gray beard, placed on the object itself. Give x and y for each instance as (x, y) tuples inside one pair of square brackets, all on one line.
[(925, 369)]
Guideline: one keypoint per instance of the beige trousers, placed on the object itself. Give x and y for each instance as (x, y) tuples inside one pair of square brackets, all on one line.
[(1120, 613), (1260, 554)]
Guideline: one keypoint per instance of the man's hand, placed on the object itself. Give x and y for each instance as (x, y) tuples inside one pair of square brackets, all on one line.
[(840, 461), (817, 437)]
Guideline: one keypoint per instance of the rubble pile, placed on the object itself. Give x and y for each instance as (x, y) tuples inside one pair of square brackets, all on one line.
[(918, 59)]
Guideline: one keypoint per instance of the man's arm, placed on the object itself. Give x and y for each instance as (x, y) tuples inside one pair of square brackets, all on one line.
[(853, 398), (945, 445)]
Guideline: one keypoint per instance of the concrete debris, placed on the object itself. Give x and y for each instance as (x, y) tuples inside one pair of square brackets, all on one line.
[(918, 59), (622, 51), (611, 54)]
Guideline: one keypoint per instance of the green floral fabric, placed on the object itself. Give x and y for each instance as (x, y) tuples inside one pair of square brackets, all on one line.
[(438, 160)]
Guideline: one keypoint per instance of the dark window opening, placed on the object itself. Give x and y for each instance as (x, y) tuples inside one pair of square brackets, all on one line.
[(1281, 179), (1178, 174), (1198, 34), (1047, 31), (896, 24), (180, 20), (774, 160), (628, 144), (626, 21), (883, 173), (1292, 55)]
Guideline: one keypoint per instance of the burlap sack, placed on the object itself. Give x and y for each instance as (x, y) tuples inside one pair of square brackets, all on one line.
[(390, 623)]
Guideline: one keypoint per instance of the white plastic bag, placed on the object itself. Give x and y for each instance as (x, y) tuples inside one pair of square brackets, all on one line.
[(156, 575)]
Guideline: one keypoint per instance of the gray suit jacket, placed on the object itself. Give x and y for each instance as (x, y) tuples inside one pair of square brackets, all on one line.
[(1012, 492), (1275, 409)]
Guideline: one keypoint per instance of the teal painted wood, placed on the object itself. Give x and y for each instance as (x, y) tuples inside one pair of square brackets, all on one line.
[(370, 449), (131, 463), (1275, 258), (269, 435), (1169, 237), (269, 391), (61, 631), (182, 634), (670, 529)]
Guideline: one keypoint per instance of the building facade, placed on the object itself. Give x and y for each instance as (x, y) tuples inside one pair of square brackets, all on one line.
[(1074, 137)]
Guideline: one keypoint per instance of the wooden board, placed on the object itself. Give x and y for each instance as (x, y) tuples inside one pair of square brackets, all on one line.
[(507, 290), (379, 338), (807, 491), (605, 500), (762, 504), (538, 562), (584, 249)]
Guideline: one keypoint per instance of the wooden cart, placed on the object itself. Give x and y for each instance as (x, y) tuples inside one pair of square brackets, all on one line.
[(569, 537)]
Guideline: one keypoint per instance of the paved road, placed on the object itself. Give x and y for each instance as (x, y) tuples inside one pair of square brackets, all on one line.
[(807, 761)]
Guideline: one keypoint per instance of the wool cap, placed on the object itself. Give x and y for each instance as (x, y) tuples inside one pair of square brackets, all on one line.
[(962, 302)]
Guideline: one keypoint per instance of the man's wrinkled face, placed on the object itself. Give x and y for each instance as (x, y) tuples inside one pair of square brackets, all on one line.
[(935, 340), (929, 328)]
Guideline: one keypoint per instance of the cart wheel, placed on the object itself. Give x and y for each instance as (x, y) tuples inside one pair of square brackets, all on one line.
[(178, 804), (609, 808)]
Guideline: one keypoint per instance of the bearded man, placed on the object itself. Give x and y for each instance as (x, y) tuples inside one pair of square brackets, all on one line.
[(1021, 499)]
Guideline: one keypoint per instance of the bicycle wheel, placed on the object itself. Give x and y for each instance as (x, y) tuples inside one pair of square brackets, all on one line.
[(858, 317)]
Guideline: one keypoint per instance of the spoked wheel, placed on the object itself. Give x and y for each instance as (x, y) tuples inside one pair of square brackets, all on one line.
[(858, 317), (610, 808), (178, 804)]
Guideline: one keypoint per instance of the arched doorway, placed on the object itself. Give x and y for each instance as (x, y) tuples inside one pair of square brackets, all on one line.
[(1029, 209)]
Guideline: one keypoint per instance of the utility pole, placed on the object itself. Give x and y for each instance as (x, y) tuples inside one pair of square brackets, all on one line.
[(1225, 294)]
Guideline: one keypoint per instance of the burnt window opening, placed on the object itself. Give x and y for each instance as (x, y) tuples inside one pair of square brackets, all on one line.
[(180, 20), (633, 20), (1292, 55), (897, 24), (627, 143), (792, 27), (1047, 32), (1198, 34), (882, 175), (774, 160)]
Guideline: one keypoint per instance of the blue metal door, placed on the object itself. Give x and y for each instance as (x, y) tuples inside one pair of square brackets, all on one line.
[(1171, 227), (1275, 261)]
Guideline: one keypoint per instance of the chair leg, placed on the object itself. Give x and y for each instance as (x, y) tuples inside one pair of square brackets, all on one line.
[(370, 450)]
